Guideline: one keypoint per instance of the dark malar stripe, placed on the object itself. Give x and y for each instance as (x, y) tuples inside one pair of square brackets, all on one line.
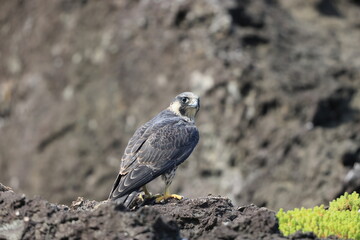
[(182, 111)]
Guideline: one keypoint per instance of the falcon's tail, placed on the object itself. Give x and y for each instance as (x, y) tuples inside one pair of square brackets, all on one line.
[(126, 199)]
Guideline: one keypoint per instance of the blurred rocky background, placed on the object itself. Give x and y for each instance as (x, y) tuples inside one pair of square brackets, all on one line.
[(279, 83)]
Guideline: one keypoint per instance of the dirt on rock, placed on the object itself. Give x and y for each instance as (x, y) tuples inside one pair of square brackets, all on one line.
[(201, 218)]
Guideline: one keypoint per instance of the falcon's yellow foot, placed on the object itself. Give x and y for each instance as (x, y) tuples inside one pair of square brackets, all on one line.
[(144, 197), (147, 195), (167, 196)]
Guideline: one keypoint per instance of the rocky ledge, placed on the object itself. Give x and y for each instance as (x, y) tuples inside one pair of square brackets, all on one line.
[(201, 218)]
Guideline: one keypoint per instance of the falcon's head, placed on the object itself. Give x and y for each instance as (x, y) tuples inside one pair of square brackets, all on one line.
[(186, 104)]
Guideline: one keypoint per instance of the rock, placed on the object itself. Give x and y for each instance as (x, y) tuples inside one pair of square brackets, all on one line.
[(201, 218), (4, 188), (13, 230)]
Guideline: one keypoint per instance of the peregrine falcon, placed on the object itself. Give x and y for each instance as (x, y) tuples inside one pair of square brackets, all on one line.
[(157, 148)]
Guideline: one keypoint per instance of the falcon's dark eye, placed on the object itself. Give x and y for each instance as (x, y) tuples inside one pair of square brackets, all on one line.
[(184, 100)]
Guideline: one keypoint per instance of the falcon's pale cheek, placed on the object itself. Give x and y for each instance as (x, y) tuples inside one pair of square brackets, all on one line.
[(175, 107)]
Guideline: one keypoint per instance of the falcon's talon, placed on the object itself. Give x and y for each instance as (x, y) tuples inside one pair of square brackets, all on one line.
[(146, 195), (165, 197), (176, 196), (142, 197)]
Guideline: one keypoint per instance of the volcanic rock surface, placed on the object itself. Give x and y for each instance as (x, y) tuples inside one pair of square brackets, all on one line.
[(201, 218)]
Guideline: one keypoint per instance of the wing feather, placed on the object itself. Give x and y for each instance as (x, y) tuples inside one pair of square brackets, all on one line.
[(134, 145), (154, 149)]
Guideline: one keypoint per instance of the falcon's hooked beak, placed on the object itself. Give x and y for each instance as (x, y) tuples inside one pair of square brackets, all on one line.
[(186, 104), (195, 103)]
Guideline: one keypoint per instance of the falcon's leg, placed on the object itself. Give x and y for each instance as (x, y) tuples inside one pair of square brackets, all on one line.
[(147, 194), (168, 177), (146, 191)]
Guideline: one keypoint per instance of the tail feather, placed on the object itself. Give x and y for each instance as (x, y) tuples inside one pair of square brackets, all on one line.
[(115, 185), (126, 199)]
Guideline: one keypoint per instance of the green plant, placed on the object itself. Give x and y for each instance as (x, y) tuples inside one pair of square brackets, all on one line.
[(346, 202), (342, 219)]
